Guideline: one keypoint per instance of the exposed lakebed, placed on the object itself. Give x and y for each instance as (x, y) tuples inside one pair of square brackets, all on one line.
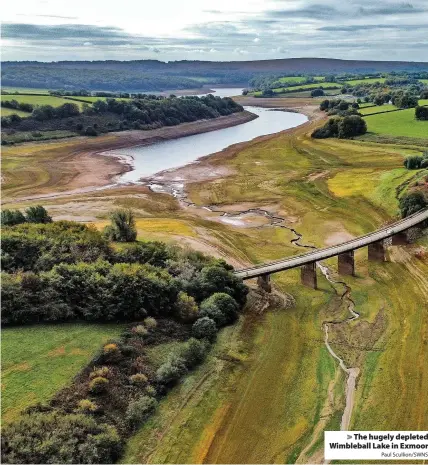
[(169, 154)]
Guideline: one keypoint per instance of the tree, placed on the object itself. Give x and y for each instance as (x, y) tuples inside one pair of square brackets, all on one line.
[(37, 214), (413, 162), (122, 228), (351, 126), (186, 307), (204, 328), (317, 93), (220, 307), (59, 438), (12, 217), (421, 113), (412, 203)]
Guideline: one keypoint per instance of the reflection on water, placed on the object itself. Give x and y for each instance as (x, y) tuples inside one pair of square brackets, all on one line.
[(169, 154)]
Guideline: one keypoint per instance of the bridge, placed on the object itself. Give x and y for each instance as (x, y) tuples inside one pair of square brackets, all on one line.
[(375, 242)]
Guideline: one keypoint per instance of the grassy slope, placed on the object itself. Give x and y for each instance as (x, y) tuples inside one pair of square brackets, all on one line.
[(37, 361), (398, 123), (355, 82), (9, 111), (268, 404)]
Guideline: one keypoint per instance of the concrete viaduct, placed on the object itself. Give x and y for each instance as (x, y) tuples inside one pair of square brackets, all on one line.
[(374, 241)]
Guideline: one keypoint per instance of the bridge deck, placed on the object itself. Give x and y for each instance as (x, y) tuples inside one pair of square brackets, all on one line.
[(328, 252)]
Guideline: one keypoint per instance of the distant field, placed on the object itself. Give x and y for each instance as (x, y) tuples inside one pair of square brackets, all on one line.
[(27, 90), (423, 102), (39, 99), (295, 79), (10, 111), (39, 360), (425, 81), (377, 109), (324, 85), (397, 123), (355, 82)]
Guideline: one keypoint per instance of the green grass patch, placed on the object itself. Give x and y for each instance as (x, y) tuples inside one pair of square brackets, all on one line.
[(10, 111), (355, 82), (25, 90), (377, 109), (398, 123), (39, 99), (39, 360)]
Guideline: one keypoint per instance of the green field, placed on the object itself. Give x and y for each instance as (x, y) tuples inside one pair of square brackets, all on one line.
[(355, 82), (377, 109), (398, 123), (39, 360), (325, 85), (40, 100), (9, 111), (295, 79)]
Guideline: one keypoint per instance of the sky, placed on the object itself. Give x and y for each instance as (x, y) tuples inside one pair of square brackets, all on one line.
[(214, 30)]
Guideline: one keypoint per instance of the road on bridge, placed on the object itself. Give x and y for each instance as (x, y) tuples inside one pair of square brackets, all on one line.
[(328, 252)]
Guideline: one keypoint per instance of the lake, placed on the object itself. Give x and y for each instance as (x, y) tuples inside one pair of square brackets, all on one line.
[(149, 160)]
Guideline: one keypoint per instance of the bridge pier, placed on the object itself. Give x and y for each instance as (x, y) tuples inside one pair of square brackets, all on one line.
[(346, 263), (309, 275), (264, 283), (376, 251), (400, 238)]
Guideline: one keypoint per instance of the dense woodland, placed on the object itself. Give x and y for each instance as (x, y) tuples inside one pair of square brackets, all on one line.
[(150, 112), (65, 271)]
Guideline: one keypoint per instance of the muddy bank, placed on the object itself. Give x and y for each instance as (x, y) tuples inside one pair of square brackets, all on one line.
[(81, 165)]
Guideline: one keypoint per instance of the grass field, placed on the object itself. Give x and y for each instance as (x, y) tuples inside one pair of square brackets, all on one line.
[(296, 79), (355, 82), (39, 360), (325, 85), (9, 111), (398, 123), (39, 99)]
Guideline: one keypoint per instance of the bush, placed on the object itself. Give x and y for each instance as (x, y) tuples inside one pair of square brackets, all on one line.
[(98, 385), (204, 328), (172, 370), (139, 410), (12, 217), (317, 93), (37, 214), (421, 113), (139, 379), (150, 323), (151, 391), (86, 406), (104, 372), (412, 203), (413, 162), (140, 330), (59, 438), (220, 307), (187, 310), (194, 352), (91, 131), (122, 227)]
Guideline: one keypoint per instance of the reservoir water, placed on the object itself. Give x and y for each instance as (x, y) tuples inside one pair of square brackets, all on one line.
[(149, 160)]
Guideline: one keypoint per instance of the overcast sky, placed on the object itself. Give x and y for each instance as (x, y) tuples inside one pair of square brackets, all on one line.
[(49, 30)]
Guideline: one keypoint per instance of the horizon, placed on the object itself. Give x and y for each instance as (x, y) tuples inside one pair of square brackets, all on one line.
[(215, 31)]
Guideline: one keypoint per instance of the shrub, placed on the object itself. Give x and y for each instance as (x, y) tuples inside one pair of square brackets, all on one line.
[(150, 322), (86, 406), (104, 372), (172, 370), (151, 391), (421, 113), (413, 162), (187, 309), (91, 131), (139, 410), (37, 214), (12, 217), (204, 328), (140, 330), (220, 307), (122, 228), (317, 93), (412, 203), (139, 379), (98, 385), (194, 352), (59, 438)]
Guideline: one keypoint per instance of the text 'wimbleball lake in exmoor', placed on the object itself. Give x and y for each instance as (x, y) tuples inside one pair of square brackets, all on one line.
[(152, 159)]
